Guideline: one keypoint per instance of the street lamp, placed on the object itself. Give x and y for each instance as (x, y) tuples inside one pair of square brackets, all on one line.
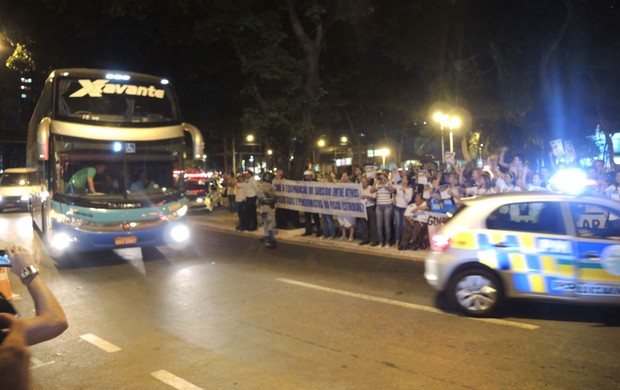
[(451, 123), (383, 152), (454, 123)]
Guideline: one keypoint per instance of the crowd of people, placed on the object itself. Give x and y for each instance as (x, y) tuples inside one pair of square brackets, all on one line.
[(396, 200)]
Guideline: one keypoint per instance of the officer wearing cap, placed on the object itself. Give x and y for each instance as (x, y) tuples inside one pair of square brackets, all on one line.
[(267, 202)]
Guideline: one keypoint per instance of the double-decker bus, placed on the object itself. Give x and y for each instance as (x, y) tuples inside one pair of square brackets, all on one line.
[(105, 145)]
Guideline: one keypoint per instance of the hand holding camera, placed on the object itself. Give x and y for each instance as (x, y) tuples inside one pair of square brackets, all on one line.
[(19, 258)]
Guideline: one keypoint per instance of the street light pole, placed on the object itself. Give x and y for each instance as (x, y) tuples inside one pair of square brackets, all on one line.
[(234, 157), (443, 149), (452, 123)]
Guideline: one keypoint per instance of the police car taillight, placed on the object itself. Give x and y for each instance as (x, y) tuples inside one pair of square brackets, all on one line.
[(440, 242)]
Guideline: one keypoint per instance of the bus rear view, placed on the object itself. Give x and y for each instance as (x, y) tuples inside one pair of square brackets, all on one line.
[(106, 145)]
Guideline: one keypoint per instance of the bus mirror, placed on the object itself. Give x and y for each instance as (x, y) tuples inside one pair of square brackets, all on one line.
[(198, 141), (43, 136)]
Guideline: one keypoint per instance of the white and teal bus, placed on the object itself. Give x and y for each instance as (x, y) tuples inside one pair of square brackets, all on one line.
[(92, 136)]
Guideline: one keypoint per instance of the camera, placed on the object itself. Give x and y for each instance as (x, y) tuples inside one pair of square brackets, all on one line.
[(4, 259), (6, 307)]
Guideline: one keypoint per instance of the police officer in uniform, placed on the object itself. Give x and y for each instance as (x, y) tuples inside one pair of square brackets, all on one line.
[(267, 204)]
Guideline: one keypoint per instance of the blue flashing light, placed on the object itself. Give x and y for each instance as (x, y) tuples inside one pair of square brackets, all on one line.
[(571, 181)]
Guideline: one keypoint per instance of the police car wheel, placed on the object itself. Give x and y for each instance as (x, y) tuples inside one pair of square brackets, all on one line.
[(475, 292)]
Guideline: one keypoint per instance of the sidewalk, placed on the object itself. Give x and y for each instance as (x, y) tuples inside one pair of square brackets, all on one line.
[(222, 220)]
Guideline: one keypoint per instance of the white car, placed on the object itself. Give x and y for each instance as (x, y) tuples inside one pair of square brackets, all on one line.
[(527, 245), (16, 187)]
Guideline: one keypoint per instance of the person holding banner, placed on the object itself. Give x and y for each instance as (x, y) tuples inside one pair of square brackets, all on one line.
[(327, 220), (368, 226), (310, 217), (414, 225), (346, 223), (284, 217)]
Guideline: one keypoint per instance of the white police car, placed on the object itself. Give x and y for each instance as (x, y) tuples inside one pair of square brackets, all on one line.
[(538, 245)]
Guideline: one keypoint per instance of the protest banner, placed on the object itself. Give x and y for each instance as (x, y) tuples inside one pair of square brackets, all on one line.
[(344, 199), (432, 220), (557, 147)]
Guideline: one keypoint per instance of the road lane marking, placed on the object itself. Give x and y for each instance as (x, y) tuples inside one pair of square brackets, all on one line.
[(403, 304), (99, 342), (174, 381), (36, 363)]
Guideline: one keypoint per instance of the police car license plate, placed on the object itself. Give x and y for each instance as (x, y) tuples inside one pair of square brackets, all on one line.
[(126, 240)]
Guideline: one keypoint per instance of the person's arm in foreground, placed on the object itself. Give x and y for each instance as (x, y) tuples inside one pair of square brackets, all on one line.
[(50, 320)]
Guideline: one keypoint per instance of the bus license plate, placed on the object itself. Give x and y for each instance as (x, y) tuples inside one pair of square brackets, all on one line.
[(126, 240)]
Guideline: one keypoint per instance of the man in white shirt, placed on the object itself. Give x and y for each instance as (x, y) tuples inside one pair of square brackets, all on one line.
[(251, 192), (368, 226)]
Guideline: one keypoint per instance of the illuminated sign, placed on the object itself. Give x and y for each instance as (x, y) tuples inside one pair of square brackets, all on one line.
[(99, 87)]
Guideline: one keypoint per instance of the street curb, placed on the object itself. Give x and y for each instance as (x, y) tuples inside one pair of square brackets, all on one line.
[(225, 222)]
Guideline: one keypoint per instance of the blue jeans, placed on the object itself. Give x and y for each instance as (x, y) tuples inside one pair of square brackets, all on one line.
[(399, 220), (329, 230), (384, 223)]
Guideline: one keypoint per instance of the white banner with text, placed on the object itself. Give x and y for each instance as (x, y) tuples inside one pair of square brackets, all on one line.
[(344, 199)]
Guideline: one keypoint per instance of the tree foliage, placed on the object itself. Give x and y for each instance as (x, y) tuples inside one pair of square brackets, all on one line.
[(519, 73)]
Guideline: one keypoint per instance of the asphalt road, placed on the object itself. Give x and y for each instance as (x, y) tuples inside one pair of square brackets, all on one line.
[(228, 313)]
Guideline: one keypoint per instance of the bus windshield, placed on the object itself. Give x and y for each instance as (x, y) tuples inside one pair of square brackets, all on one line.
[(118, 170), (127, 103)]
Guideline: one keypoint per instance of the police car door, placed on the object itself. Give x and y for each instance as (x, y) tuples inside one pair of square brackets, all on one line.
[(536, 255), (597, 229)]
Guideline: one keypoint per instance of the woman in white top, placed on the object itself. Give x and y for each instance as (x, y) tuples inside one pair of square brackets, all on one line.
[(402, 198), (384, 190)]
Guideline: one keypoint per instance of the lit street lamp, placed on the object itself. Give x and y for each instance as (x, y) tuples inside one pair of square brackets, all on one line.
[(382, 152), (451, 123), (455, 123)]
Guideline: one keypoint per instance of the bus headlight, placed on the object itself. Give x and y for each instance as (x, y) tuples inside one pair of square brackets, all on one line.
[(61, 241), (179, 233), (177, 236)]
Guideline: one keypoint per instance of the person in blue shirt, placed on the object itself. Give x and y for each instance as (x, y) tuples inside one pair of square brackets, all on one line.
[(142, 182)]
